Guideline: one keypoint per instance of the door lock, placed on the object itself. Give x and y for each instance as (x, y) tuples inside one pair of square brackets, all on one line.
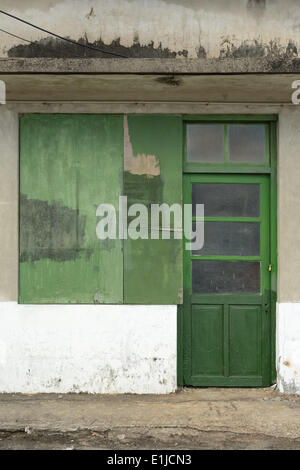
[(270, 267)]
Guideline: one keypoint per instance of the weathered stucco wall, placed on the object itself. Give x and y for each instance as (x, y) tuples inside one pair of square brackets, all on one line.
[(289, 204), (288, 347), (88, 348), (9, 180), (154, 28)]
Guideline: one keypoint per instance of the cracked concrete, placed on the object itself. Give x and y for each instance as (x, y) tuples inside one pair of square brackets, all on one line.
[(190, 419)]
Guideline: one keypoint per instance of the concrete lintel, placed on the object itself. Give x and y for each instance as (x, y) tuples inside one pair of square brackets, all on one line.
[(150, 66)]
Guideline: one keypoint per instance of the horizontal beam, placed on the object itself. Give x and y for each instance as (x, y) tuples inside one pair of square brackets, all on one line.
[(263, 65)]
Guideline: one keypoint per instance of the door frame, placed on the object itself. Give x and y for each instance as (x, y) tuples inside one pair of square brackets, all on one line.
[(271, 170)]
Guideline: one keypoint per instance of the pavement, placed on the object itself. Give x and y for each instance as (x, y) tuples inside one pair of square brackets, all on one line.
[(192, 418)]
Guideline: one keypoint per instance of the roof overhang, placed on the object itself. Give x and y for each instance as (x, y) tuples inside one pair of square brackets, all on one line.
[(163, 80)]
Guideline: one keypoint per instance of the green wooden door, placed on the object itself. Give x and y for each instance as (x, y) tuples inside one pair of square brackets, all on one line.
[(226, 311)]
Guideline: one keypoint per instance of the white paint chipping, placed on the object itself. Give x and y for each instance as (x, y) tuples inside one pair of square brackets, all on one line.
[(87, 348), (288, 347)]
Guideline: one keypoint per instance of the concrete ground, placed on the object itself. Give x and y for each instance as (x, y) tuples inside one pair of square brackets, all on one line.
[(206, 418)]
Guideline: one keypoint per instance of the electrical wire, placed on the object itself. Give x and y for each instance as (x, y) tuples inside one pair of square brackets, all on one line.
[(61, 37), (15, 36), (27, 40)]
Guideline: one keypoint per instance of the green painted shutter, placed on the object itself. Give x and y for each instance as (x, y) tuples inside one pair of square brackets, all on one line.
[(153, 174), (69, 164)]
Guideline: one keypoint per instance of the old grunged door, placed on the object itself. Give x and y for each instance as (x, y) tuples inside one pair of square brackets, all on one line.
[(227, 283)]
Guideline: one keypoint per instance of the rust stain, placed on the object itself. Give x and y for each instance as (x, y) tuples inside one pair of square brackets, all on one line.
[(140, 164), (287, 363)]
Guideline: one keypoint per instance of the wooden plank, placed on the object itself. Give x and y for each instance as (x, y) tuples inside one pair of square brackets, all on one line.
[(69, 164), (153, 174)]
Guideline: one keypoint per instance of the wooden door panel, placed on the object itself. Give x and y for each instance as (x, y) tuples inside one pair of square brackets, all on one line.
[(245, 340), (207, 340)]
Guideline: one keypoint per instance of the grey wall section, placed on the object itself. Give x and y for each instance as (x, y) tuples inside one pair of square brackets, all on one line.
[(9, 151), (155, 28), (289, 204)]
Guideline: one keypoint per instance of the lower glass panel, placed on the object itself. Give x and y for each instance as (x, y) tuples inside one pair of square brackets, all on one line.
[(225, 277)]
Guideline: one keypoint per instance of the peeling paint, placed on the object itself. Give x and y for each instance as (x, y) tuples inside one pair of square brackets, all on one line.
[(140, 164), (288, 333)]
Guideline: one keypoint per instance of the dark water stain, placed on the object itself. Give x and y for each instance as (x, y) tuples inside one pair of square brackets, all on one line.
[(257, 49), (142, 189), (57, 48), (201, 53), (50, 230), (108, 244), (170, 80), (256, 7)]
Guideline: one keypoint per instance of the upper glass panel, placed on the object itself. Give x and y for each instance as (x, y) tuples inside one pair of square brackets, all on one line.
[(205, 143), (247, 143)]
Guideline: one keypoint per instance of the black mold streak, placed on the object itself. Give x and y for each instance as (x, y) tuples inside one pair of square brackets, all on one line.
[(201, 53), (56, 48), (51, 231), (256, 49)]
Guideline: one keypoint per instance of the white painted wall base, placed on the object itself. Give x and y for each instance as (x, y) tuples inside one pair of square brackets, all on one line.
[(87, 348), (288, 347)]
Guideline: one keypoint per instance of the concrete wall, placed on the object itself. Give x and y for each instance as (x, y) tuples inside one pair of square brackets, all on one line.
[(154, 28), (288, 347), (288, 307), (9, 181), (45, 339), (90, 348), (289, 204)]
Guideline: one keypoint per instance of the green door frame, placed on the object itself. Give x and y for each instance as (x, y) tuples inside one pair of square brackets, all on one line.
[(268, 168)]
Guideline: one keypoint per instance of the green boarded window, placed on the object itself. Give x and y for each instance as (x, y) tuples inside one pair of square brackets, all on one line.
[(69, 164)]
